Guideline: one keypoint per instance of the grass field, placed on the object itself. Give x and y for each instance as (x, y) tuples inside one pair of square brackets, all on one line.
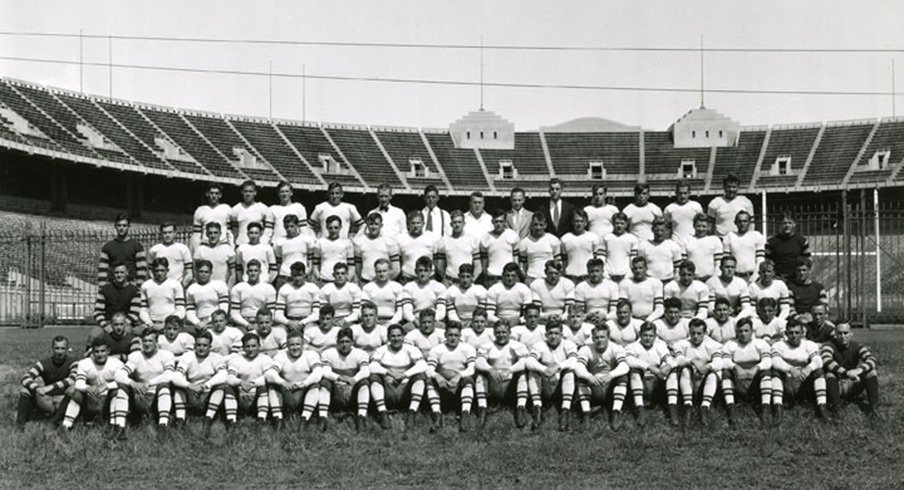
[(802, 452)]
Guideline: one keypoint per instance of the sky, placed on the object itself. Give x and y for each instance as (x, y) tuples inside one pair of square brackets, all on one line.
[(637, 24)]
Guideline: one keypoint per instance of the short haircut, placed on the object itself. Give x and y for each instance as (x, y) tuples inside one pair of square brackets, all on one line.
[(728, 258), (381, 261), (167, 224), (423, 261), (334, 185), (556, 180), (203, 263), (659, 221), (373, 218), (687, 265), (744, 321), (597, 187), (647, 327), (333, 218), (600, 327), (297, 268), (430, 188), (340, 266), (253, 263), (294, 334), (479, 312), (722, 300), (619, 216), (414, 214), (511, 267), (538, 218), (345, 333), (204, 334), (173, 320), (327, 310), (804, 261), (455, 213), (290, 219), (248, 183), (465, 269), (118, 264), (701, 217), (622, 303), (122, 217), (639, 259), (681, 185), (764, 302), (555, 264), (765, 264), (426, 313), (255, 224), (731, 179), (476, 194), (263, 311), (384, 187), (283, 183), (368, 305), (671, 303), (553, 322), (160, 261), (215, 185), (453, 326), (639, 188), (497, 213), (696, 323), (516, 190), (580, 212), (248, 337), (99, 342), (531, 306), (395, 326), (213, 224), (595, 262), (58, 339), (219, 312)]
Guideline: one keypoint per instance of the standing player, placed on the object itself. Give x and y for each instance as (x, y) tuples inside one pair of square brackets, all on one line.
[(297, 302), (396, 372), (722, 209), (650, 361), (458, 249), (643, 293), (250, 211), (372, 245), (538, 248), (344, 296), (246, 381), (346, 372), (117, 296), (505, 299), (247, 297), (798, 371), (786, 247), (642, 212), (160, 297), (501, 367), (177, 254), (619, 248), (349, 218), (767, 286), (477, 221), (551, 374), (95, 385), (747, 246), (518, 218), (416, 244), (681, 214), (125, 250), (292, 247), (212, 212), (693, 294), (253, 249), (578, 247), (554, 294), (388, 296), (293, 382), (220, 255), (805, 292), (732, 288), (436, 219), (746, 370), (699, 359), (600, 214), (144, 383), (394, 219), (598, 295), (120, 342), (662, 253), (850, 369), (204, 297), (464, 298), (497, 248), (285, 208), (703, 249), (450, 371), (45, 383), (601, 372), (198, 384)]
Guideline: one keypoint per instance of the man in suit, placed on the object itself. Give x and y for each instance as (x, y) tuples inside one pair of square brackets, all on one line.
[(518, 218), (436, 219), (559, 214)]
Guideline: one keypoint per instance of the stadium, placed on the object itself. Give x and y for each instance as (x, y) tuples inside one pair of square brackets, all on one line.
[(70, 160)]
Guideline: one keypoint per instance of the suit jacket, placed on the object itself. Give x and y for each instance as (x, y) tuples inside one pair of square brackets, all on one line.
[(566, 219), (523, 228)]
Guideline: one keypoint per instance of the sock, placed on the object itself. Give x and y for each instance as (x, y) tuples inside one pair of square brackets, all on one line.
[(119, 409), (231, 407), (618, 396), (164, 405), (179, 404), (213, 403), (276, 403), (467, 398), (819, 386), (728, 390), (567, 390), (72, 411), (671, 388), (872, 391), (765, 390), (480, 391), (311, 400), (584, 392), (263, 405), (687, 387), (363, 399), (833, 392), (637, 389), (778, 390), (534, 386), (324, 398), (379, 396), (433, 398), (709, 389), (23, 408), (521, 392), (417, 393)]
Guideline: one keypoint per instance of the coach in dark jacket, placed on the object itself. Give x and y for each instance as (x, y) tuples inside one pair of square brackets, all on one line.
[(559, 214)]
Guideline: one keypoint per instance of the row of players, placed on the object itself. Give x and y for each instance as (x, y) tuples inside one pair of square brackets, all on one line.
[(562, 230), (273, 375)]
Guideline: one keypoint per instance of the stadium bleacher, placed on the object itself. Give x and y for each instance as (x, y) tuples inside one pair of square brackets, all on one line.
[(795, 143), (268, 142), (887, 138), (363, 154), (739, 160), (227, 141), (662, 158), (404, 146), (571, 153), (310, 142), (836, 152), (527, 156), (461, 165)]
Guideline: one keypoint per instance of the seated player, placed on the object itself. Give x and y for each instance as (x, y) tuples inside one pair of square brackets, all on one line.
[(145, 383), (367, 335), (579, 247), (553, 293), (746, 370), (746, 245), (95, 386), (116, 296), (345, 379), (226, 340), (204, 296), (693, 294), (198, 385), (625, 328), (735, 289), (578, 327), (501, 374), (271, 339), (643, 292), (477, 334), (699, 361), (703, 249), (672, 327), (721, 325), (120, 343), (246, 382), (465, 296), (219, 253), (650, 361), (598, 295), (332, 249), (425, 293), (296, 246), (530, 332), (619, 248), (160, 297), (343, 295), (498, 248), (601, 372), (396, 373), (297, 301), (537, 248), (46, 383), (247, 297), (662, 253), (293, 382), (505, 299), (414, 244), (819, 329), (322, 335), (255, 249), (769, 286), (551, 374), (766, 325), (372, 245), (797, 369), (426, 336), (389, 296), (450, 374), (174, 338), (850, 369)]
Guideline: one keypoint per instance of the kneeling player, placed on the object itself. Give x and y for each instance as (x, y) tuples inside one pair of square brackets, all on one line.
[(246, 381), (451, 373), (501, 378), (746, 370), (95, 384), (46, 382), (294, 381), (551, 368), (601, 370), (345, 374), (144, 383), (700, 360), (396, 372), (199, 380), (798, 371), (651, 371), (850, 368)]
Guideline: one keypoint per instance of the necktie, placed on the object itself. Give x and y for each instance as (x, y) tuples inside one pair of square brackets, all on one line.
[(429, 220), (555, 214)]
